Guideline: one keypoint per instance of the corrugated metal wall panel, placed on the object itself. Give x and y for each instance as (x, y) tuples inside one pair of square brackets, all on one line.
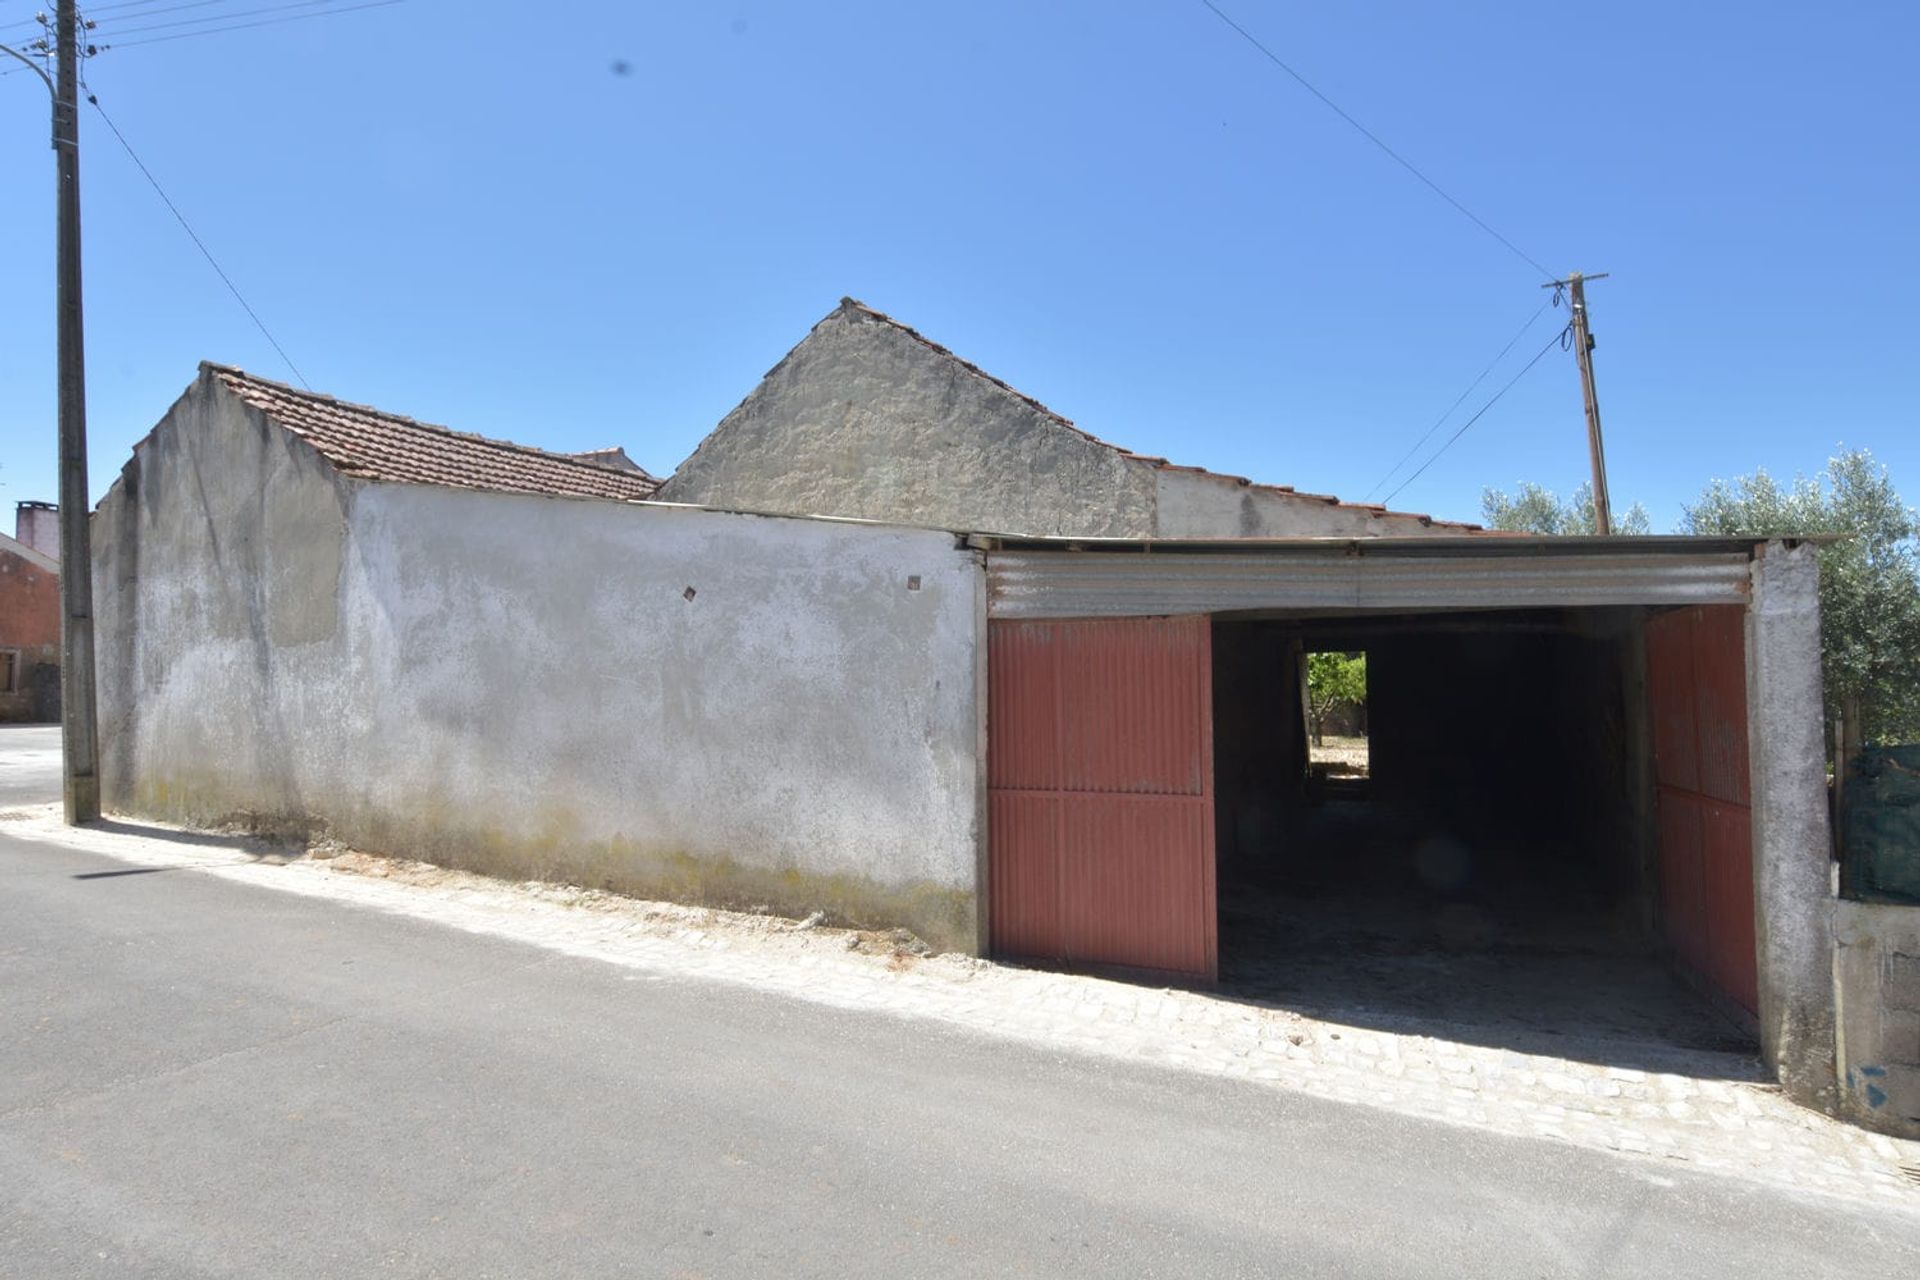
[(1720, 686), (1683, 877), (1727, 872), (1070, 584), (1134, 707), (1670, 690), (1023, 712), (1697, 695), (1023, 887), (1100, 771), (1139, 871)]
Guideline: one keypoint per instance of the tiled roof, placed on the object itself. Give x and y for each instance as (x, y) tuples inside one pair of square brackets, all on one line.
[(374, 445), (1372, 509)]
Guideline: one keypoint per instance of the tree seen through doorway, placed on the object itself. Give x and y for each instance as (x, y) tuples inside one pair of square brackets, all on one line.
[(1336, 704)]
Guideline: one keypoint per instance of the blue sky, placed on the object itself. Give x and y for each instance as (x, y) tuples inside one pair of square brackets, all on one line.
[(464, 212)]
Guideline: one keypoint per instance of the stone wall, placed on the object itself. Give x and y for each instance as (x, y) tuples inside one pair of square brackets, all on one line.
[(866, 418)]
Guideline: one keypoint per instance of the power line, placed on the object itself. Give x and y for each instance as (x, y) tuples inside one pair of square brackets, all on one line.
[(106, 44), (211, 17), (1461, 398), (142, 4), (243, 26), (1375, 139), (147, 12), (1541, 354), (199, 244), (95, 9)]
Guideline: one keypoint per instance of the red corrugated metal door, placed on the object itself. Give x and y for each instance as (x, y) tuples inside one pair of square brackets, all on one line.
[(1697, 690), (1100, 793)]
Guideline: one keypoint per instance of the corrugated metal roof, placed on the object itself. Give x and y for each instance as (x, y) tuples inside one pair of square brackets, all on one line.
[(1433, 545), (1057, 584)]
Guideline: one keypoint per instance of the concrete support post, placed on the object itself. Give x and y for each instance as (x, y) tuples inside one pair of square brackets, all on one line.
[(1792, 843), (982, 815)]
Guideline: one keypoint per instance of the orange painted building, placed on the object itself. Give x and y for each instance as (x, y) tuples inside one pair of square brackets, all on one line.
[(29, 633)]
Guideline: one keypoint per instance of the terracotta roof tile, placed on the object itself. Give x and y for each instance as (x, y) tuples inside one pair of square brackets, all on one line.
[(374, 445), (1372, 509)]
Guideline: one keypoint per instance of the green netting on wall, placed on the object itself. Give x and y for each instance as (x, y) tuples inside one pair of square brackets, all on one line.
[(1880, 825)]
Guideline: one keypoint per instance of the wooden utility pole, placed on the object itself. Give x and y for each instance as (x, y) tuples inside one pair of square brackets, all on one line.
[(79, 736), (1575, 285)]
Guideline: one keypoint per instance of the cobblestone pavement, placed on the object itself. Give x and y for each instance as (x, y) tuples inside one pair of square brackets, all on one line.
[(1705, 1111)]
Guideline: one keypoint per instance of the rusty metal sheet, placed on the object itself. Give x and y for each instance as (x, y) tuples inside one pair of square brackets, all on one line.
[(1720, 688), (1683, 878), (1140, 874), (1672, 704), (1135, 706), (1023, 881), (1696, 690), (1727, 870), (1100, 782), (1023, 712)]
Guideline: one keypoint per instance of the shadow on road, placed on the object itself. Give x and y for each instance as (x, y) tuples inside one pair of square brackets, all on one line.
[(255, 847), (110, 875)]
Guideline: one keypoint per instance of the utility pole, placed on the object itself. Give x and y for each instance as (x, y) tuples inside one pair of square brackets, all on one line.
[(1575, 285), (79, 733)]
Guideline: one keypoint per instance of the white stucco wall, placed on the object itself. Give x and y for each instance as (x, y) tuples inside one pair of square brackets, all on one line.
[(520, 684)]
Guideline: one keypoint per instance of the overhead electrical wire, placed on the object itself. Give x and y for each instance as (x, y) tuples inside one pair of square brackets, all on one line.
[(198, 243), (118, 5), (1552, 342), (265, 22), (93, 10), (1376, 140), (110, 43), (1461, 398), (208, 18), (109, 37)]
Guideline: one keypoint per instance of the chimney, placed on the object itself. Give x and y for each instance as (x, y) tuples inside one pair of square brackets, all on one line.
[(38, 525)]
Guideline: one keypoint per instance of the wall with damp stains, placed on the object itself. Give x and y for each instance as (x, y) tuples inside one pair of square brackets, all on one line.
[(738, 710)]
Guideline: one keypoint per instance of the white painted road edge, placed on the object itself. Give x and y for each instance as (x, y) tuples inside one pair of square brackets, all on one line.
[(1734, 1128)]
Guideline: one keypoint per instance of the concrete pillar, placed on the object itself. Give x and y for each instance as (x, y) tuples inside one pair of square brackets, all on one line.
[(1793, 880)]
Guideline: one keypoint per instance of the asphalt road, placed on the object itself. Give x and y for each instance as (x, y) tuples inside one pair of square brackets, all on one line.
[(29, 764), (202, 1078)]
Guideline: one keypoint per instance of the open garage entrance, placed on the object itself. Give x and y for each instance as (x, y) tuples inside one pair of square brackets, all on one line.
[(1527, 858), (1550, 847)]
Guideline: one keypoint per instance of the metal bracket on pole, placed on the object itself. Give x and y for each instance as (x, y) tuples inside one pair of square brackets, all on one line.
[(1575, 285)]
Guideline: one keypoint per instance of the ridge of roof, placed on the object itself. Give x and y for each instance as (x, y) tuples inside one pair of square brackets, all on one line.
[(613, 457), (361, 440), (1375, 510), (39, 559)]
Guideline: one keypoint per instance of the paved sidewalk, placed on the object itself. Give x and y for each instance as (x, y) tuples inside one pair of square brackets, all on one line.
[(1693, 1115)]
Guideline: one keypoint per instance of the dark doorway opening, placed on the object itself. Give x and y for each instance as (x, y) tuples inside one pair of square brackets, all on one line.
[(1497, 878)]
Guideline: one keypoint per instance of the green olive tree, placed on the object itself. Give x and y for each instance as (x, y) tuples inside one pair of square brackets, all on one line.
[(1333, 680), (1869, 585)]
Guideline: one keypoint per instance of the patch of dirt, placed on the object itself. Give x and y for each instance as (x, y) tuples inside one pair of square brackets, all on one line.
[(1347, 757), (900, 947)]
